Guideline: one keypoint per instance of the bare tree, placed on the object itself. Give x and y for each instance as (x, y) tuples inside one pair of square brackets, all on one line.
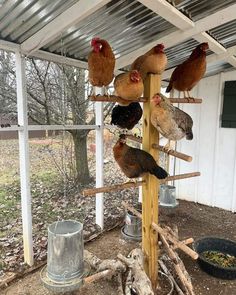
[(57, 95)]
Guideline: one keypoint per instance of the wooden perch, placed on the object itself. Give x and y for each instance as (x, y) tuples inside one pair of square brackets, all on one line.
[(172, 153), (162, 149), (180, 176), (116, 187), (131, 209), (186, 100), (114, 98), (175, 241)]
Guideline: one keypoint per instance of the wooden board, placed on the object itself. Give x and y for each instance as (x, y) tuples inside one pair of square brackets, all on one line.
[(150, 188)]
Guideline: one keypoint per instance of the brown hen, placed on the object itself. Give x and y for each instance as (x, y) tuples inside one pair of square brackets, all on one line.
[(135, 162), (154, 61), (190, 72), (101, 63), (128, 86)]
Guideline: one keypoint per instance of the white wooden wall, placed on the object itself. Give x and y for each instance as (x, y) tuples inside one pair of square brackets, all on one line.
[(213, 149)]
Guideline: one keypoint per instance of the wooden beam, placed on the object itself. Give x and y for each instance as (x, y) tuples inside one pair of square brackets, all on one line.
[(152, 85), (186, 100), (169, 13), (74, 14), (218, 18)]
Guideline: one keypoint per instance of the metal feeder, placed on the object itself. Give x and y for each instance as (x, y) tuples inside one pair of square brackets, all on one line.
[(65, 261), (167, 196), (132, 229)]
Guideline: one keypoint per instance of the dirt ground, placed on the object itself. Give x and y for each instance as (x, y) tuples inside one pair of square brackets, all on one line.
[(193, 220)]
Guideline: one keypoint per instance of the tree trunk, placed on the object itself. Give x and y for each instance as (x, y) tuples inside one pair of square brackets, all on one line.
[(81, 157)]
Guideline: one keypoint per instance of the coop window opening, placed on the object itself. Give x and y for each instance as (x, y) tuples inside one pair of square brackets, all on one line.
[(229, 105)]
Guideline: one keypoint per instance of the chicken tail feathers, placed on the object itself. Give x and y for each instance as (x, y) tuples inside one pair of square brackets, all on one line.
[(169, 87), (159, 172)]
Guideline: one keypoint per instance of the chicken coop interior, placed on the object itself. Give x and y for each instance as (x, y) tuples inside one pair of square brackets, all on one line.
[(169, 65)]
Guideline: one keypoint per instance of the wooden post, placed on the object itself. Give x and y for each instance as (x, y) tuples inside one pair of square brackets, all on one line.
[(152, 85)]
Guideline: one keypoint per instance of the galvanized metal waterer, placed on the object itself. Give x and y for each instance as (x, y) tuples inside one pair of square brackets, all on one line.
[(65, 261)]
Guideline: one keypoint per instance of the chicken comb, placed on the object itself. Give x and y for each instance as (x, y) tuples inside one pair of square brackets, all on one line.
[(94, 41)]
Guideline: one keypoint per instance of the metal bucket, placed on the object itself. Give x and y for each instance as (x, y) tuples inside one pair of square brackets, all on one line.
[(65, 259), (167, 196), (133, 224)]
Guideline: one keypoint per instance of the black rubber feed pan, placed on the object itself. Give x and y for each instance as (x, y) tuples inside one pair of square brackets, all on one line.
[(216, 244)]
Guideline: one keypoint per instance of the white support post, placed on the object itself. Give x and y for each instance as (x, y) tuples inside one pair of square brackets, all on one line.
[(24, 159), (99, 163)]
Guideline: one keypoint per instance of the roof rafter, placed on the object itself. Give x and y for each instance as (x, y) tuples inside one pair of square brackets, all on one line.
[(68, 18), (197, 32)]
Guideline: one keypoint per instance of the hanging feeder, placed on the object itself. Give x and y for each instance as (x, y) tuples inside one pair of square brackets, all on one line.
[(65, 261), (167, 196), (132, 229)]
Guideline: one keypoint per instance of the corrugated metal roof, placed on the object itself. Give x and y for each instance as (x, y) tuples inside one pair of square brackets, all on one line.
[(197, 9), (218, 67), (127, 25), (20, 19), (225, 34)]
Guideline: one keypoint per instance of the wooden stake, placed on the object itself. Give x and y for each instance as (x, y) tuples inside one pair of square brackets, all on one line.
[(152, 85), (114, 98), (186, 100)]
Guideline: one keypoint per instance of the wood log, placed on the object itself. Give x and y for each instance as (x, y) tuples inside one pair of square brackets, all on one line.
[(176, 242), (187, 286), (168, 273), (116, 187), (97, 276), (131, 209), (186, 242), (114, 98), (140, 280), (186, 100)]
